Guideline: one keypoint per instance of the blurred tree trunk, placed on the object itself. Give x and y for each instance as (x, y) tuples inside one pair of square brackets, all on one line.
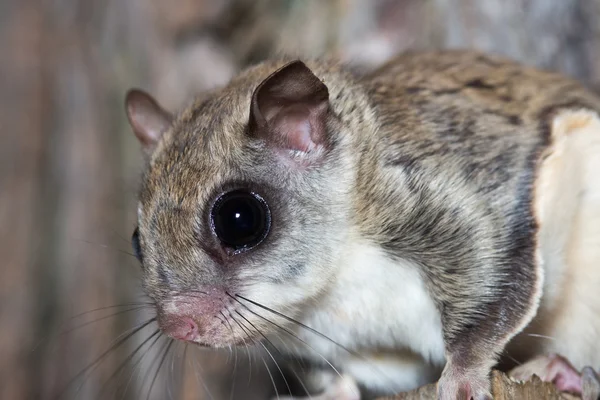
[(59, 166), (69, 165), (21, 158)]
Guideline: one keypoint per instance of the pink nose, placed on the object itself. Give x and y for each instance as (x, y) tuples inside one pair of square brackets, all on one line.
[(182, 328)]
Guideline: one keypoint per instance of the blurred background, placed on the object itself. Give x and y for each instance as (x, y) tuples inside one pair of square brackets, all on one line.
[(69, 165)]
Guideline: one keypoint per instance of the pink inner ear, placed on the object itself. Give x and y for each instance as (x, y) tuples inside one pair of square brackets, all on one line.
[(294, 127), (289, 110)]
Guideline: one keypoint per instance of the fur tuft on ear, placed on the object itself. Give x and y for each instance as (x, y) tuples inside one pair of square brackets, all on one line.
[(289, 110), (147, 118)]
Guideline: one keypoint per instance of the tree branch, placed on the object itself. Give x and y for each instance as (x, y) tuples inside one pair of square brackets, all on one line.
[(503, 388)]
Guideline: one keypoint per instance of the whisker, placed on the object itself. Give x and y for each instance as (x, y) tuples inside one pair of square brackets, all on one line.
[(234, 351), (171, 373), (120, 236), (135, 365), (53, 336), (182, 367), (245, 345), (290, 319), (536, 335), (232, 391), (294, 336), (298, 360), (291, 349), (263, 359), (126, 361), (303, 341), (187, 292), (159, 367), (267, 350), (271, 377), (316, 332), (90, 373), (105, 246), (249, 362), (506, 354), (99, 359), (229, 354), (149, 304), (98, 320), (154, 361), (197, 291), (199, 378)]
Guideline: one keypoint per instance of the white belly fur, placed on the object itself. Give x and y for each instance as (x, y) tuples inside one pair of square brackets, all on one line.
[(380, 303)]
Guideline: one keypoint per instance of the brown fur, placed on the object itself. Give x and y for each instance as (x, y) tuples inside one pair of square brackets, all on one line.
[(435, 159)]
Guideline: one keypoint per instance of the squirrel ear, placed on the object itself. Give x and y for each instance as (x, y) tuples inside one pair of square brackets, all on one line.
[(289, 110), (147, 118)]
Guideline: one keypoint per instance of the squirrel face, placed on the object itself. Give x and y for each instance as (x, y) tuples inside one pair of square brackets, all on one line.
[(244, 199)]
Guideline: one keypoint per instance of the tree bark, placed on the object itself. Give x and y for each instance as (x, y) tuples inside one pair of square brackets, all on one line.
[(503, 388)]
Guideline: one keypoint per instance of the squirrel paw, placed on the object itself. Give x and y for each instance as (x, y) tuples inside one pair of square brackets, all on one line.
[(463, 385), (558, 370)]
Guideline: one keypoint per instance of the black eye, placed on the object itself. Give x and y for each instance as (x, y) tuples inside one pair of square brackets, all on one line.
[(241, 219), (135, 244)]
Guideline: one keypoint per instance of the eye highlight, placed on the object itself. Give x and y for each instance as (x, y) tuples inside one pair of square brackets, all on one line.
[(135, 244), (240, 219)]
